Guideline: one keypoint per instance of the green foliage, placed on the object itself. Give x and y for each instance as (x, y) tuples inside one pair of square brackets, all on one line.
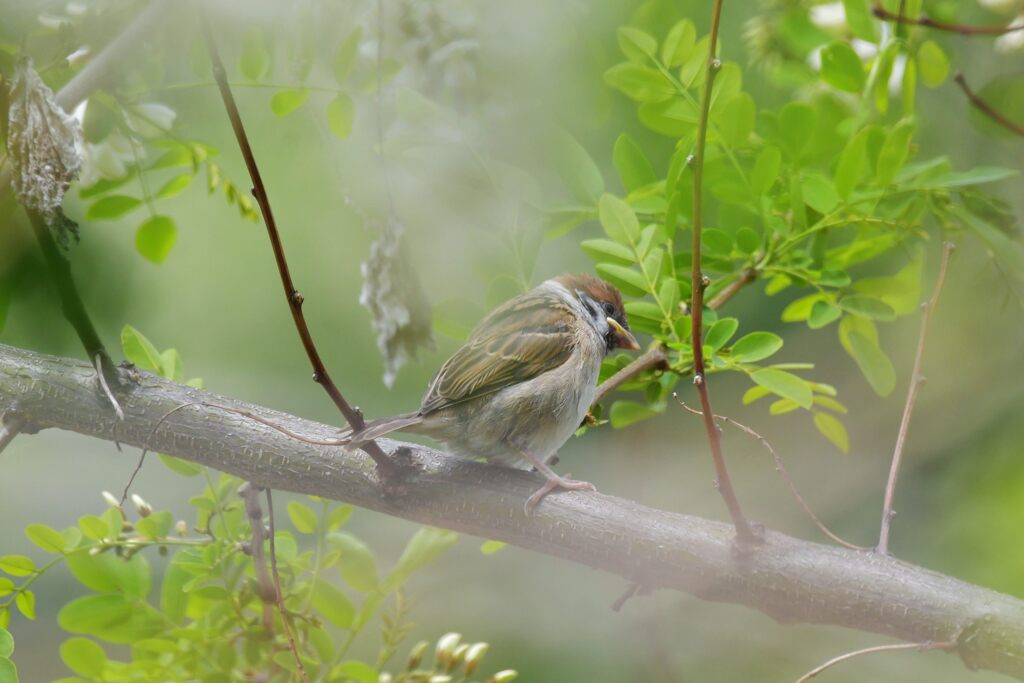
[(822, 200)]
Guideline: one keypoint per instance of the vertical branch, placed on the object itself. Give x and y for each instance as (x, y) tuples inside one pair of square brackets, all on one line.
[(916, 380), (277, 589), (355, 419), (699, 284)]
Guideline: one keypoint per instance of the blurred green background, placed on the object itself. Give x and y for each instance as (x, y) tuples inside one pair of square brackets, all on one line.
[(218, 300)]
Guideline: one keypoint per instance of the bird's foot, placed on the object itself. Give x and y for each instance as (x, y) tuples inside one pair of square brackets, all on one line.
[(554, 483)]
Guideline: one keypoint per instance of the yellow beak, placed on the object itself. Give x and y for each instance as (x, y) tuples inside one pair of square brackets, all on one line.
[(622, 336)]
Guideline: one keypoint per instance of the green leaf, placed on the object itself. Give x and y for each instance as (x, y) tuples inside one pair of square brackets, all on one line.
[(933, 63), (341, 114), (111, 206), (858, 18), (6, 586), (784, 384), (607, 250), (112, 617), (333, 604), (766, 170), (84, 657), (720, 333), (872, 361), (630, 281), (179, 466), (175, 185), (172, 158), (735, 121), (255, 59), (830, 403), (626, 413), (6, 643), (1008, 251), (717, 242), (975, 176), (823, 313), (491, 547), (156, 237), (634, 168), (894, 151), (303, 518), (747, 240), (26, 603), (678, 43), (345, 58), (17, 565), (361, 672), (868, 307), (755, 346), (841, 67), (796, 122), (639, 83), (637, 45), (107, 573), (819, 193), (156, 526), (171, 602), (139, 350), (284, 102), (783, 406), (753, 394), (425, 546), (833, 429), (337, 517), (357, 564), (93, 527), (45, 537), (8, 671), (576, 169), (852, 163)]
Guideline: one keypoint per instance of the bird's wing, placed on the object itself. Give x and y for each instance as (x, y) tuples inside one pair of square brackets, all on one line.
[(527, 336)]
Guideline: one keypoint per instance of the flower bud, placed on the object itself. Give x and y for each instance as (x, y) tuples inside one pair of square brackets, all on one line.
[(110, 500), (446, 645), (440, 678), (458, 654), (144, 508), (474, 654), (181, 527), (504, 676), (416, 655)]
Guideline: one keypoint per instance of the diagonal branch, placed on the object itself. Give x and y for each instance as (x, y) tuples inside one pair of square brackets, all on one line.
[(986, 108), (916, 380), (700, 283), (920, 647), (294, 297), (789, 579), (928, 22)]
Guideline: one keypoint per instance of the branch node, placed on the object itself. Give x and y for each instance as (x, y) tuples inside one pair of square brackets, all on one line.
[(296, 297)]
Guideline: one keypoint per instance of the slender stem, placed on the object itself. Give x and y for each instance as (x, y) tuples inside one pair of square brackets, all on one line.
[(921, 647), (781, 469), (928, 22), (745, 278), (743, 530), (295, 299), (916, 380), (655, 358), (277, 590), (986, 108), (70, 300)]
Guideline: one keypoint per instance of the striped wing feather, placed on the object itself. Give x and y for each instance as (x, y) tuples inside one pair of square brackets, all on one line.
[(521, 339)]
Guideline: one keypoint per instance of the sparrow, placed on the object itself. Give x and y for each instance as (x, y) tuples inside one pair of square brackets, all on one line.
[(524, 380)]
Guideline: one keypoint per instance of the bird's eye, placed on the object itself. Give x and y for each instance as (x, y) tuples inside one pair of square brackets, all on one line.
[(609, 309)]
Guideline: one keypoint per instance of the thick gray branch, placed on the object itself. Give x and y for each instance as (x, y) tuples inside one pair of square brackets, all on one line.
[(789, 579)]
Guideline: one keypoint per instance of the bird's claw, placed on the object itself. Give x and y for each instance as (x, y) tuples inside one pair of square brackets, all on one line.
[(553, 484)]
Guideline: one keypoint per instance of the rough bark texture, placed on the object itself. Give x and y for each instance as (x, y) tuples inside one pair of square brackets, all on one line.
[(789, 579)]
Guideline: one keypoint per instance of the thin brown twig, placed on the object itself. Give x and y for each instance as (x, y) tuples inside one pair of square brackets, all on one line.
[(781, 469), (250, 493), (277, 589), (921, 647), (963, 29), (720, 299), (651, 360), (355, 419), (916, 380), (699, 284), (986, 108)]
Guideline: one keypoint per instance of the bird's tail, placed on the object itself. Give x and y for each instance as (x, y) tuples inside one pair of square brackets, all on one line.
[(385, 425)]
